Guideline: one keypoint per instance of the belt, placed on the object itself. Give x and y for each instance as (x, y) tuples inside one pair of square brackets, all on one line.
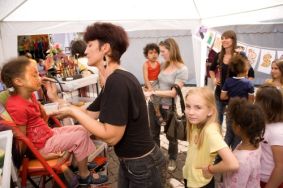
[(133, 158)]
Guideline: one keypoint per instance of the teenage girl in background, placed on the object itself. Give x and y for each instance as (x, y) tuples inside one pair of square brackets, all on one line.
[(248, 123), (276, 74), (205, 141)]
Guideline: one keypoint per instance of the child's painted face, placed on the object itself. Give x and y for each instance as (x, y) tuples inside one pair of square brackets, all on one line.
[(152, 55), (164, 53), (32, 80), (275, 72), (197, 111), (226, 42)]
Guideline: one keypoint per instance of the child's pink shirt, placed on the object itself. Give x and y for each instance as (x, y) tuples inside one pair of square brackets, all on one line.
[(248, 175)]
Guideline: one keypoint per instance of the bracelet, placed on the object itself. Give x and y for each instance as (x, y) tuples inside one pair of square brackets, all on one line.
[(208, 169)]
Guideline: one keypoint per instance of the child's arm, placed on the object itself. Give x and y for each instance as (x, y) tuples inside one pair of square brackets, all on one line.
[(224, 95), (228, 163), (276, 177), (251, 97), (145, 77), (43, 112), (224, 92)]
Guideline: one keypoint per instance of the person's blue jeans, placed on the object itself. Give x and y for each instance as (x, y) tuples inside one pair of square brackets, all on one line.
[(147, 172), (220, 105), (155, 131)]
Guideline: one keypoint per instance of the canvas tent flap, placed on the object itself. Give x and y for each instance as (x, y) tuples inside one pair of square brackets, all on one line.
[(7, 7), (28, 17)]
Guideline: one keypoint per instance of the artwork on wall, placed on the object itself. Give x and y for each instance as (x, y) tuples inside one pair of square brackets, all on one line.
[(267, 56), (253, 55), (36, 45)]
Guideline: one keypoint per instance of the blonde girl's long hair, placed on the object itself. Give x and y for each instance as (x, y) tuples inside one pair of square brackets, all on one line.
[(207, 95), (175, 56)]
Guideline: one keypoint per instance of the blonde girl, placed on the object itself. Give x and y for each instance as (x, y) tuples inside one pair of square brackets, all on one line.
[(205, 141)]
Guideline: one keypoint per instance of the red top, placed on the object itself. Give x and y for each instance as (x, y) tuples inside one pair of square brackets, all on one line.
[(153, 72), (25, 112)]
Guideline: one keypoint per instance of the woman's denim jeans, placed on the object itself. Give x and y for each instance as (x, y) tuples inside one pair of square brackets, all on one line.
[(230, 138), (155, 131), (147, 172), (220, 109)]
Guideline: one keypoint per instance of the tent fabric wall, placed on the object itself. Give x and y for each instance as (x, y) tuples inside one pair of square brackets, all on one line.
[(27, 17)]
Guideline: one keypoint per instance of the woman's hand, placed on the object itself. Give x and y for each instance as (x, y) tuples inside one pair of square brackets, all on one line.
[(147, 94), (64, 110), (51, 88), (216, 81)]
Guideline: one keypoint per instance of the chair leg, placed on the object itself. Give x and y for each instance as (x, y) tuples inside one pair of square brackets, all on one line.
[(15, 178), (24, 173), (33, 183)]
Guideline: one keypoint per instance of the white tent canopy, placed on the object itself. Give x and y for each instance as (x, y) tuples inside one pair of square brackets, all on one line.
[(28, 17)]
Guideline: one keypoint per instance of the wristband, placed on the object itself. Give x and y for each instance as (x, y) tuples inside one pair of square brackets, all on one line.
[(208, 169)]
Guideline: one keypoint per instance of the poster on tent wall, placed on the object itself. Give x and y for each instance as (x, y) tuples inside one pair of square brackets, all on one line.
[(279, 54), (36, 45), (253, 54), (217, 43), (209, 38), (266, 57), (242, 47)]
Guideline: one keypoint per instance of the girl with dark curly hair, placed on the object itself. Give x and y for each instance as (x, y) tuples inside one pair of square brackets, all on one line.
[(248, 123)]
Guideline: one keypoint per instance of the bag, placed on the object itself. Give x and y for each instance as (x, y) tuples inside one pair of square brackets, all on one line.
[(177, 125)]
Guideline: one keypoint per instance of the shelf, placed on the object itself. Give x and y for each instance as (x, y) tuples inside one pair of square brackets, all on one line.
[(6, 138), (78, 83)]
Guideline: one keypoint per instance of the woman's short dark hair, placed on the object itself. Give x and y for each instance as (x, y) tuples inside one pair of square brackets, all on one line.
[(115, 35), (150, 46), (78, 48), (270, 99)]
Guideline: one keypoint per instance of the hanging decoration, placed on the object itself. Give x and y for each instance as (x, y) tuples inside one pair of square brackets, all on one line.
[(279, 55), (253, 55), (217, 43), (266, 57), (260, 57), (209, 38)]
